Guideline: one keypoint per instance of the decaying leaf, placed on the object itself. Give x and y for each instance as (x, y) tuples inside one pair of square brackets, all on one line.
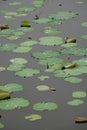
[(81, 120)]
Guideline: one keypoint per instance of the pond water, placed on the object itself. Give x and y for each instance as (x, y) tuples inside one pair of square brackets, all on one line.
[(63, 117)]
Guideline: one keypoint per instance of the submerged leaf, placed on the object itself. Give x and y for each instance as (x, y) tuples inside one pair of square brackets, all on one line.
[(45, 106), (33, 117)]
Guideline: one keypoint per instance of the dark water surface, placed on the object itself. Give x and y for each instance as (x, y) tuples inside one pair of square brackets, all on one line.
[(63, 117)]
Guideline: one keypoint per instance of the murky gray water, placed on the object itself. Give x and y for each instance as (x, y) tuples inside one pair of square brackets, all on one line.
[(63, 117)]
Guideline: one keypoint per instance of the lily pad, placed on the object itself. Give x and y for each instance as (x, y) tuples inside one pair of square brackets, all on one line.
[(15, 67), (2, 68), (79, 94), (10, 104), (8, 47), (84, 36), (42, 78), (42, 20), (25, 9), (68, 45), (18, 60), (45, 106), (42, 88), (28, 43), (51, 31), (73, 80), (12, 87), (75, 102), (1, 125), (25, 23), (84, 24), (13, 37), (25, 29), (82, 61), (15, 3), (23, 49), (33, 117), (38, 3), (27, 72), (50, 40)]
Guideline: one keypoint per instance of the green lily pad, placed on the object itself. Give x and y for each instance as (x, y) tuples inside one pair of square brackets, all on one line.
[(73, 80), (25, 9), (68, 45), (28, 43), (6, 32), (15, 67), (79, 94), (27, 72), (50, 40), (63, 15), (82, 61), (25, 29), (12, 87), (42, 20), (42, 88), (51, 31), (23, 49), (2, 68), (4, 94), (45, 54), (84, 24), (18, 60), (13, 103), (84, 36), (13, 37), (9, 17), (75, 102), (8, 47), (45, 106), (15, 3), (1, 125), (42, 78), (60, 73), (33, 117), (38, 3)]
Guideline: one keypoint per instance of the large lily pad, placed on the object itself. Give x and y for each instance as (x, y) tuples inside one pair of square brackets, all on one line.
[(8, 47), (33, 117), (13, 103), (84, 24), (12, 87), (73, 80), (79, 94), (45, 106), (28, 43), (75, 102), (15, 67), (27, 72), (51, 31), (50, 40), (42, 20), (42, 77)]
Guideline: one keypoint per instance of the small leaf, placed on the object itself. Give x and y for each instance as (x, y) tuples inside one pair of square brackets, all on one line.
[(79, 94), (73, 80), (33, 117), (42, 88), (42, 78), (75, 102)]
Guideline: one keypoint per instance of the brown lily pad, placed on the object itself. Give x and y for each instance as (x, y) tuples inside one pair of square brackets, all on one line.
[(4, 95), (81, 120)]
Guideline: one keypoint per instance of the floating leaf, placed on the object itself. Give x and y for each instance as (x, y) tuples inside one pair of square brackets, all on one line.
[(81, 120), (84, 36), (50, 40), (82, 61), (68, 45), (50, 31), (38, 3), (25, 29), (42, 78), (15, 67), (75, 102), (42, 20), (15, 3), (1, 125), (79, 94), (25, 23), (4, 94), (2, 68), (12, 87), (23, 49), (73, 80), (27, 72), (45, 106), (33, 117), (84, 24), (24, 9), (13, 103), (28, 43), (42, 88), (18, 60), (8, 47), (13, 37)]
